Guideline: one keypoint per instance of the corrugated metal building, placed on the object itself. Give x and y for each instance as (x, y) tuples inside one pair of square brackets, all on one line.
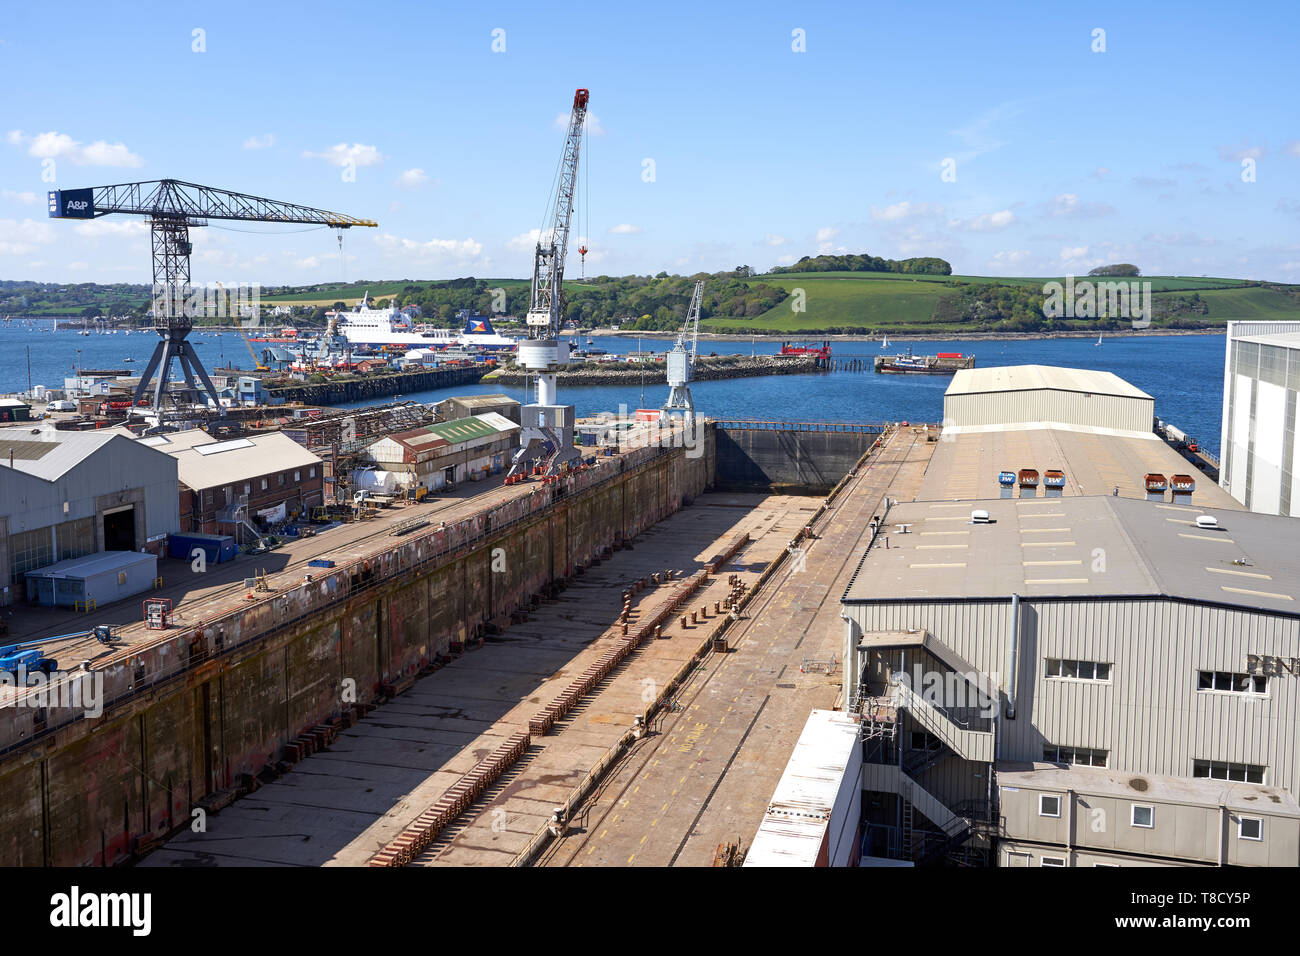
[(454, 451), (1260, 464), (1043, 395), (233, 486), (1114, 650), (463, 406), (66, 494)]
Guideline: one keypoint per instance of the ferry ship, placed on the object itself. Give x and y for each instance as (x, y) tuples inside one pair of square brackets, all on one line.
[(365, 326)]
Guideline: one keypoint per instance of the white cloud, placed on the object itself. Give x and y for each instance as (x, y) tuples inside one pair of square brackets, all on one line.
[(341, 154), (1292, 148), (1237, 153), (1073, 253), (592, 123), (431, 249), (986, 222), (410, 178), (774, 240), (826, 241), (311, 262), (1011, 257), (525, 241), (260, 142), (53, 145), (94, 228), (1068, 206), (904, 210), (26, 198), (827, 234), (19, 238), (624, 229), (1101, 172)]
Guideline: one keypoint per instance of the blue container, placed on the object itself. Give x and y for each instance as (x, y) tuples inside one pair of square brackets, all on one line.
[(216, 547)]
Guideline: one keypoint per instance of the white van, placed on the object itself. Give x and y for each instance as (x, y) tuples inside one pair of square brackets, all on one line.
[(61, 405)]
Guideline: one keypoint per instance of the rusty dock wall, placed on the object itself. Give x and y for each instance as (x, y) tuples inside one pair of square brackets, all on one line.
[(193, 718)]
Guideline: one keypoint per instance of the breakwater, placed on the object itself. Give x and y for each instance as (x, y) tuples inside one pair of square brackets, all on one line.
[(340, 390), (707, 368)]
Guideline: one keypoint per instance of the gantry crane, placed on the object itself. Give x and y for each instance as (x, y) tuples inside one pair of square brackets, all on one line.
[(173, 207), (681, 360), (546, 436)]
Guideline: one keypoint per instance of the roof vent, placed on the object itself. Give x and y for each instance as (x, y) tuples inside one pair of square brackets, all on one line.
[(979, 516), (1207, 522)]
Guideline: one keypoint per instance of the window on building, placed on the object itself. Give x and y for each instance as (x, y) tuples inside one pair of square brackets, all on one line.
[(1052, 861), (1077, 670), (923, 740), (1049, 805), (1250, 828), (1143, 815), (1075, 756), (1232, 683), (296, 477), (281, 479), (1223, 770), (264, 484), (311, 472)]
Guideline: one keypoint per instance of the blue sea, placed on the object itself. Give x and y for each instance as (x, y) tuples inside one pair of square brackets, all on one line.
[(1184, 374)]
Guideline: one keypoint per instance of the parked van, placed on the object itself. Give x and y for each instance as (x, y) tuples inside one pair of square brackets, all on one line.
[(61, 405)]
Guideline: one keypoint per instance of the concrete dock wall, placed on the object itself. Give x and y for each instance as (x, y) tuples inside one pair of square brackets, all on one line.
[(195, 715), (790, 459)]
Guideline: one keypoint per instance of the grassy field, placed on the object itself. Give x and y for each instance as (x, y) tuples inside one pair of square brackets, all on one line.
[(890, 302), (351, 293)]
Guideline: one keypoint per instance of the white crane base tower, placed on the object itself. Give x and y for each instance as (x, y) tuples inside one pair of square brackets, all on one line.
[(546, 435)]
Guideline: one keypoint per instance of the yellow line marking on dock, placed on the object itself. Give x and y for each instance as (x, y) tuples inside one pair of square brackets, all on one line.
[(1244, 574), (1046, 544), (1035, 564), (1267, 594), (1206, 537)]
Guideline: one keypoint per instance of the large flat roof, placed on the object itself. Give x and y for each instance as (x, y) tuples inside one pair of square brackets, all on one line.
[(1286, 340), (1018, 378), (204, 462), (1049, 547), (966, 464)]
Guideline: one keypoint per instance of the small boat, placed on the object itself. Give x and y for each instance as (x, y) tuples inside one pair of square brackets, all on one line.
[(1098, 342), (128, 360), (884, 343)]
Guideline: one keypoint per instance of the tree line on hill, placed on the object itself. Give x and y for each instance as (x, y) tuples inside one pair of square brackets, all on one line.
[(925, 265)]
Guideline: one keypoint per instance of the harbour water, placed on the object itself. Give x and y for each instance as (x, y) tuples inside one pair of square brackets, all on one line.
[(1183, 373)]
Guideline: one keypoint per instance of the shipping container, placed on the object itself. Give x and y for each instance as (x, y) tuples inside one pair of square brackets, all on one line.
[(216, 547)]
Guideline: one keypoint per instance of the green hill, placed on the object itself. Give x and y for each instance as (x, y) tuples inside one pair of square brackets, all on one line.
[(889, 302)]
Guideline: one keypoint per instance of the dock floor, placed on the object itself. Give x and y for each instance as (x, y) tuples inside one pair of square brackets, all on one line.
[(706, 779)]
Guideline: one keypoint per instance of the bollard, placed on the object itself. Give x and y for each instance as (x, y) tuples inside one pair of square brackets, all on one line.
[(717, 607), (683, 620), (692, 617), (625, 627), (659, 631)]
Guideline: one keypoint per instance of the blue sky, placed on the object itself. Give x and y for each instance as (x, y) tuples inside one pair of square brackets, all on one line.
[(1064, 158)]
